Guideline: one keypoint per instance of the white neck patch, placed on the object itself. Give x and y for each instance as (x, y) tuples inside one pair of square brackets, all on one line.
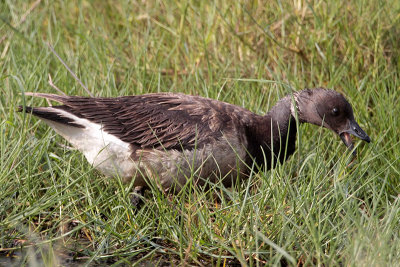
[(294, 105)]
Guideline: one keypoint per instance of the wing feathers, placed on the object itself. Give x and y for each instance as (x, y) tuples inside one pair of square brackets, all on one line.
[(171, 121), (52, 114)]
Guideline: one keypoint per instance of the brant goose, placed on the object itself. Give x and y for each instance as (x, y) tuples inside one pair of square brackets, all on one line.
[(167, 137)]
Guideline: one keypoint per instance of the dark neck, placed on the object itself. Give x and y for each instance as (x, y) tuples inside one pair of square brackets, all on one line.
[(279, 122)]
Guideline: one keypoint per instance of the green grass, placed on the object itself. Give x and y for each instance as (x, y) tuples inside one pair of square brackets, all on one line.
[(312, 210)]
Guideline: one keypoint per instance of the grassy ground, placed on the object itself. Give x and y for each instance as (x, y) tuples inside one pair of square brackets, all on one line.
[(311, 210)]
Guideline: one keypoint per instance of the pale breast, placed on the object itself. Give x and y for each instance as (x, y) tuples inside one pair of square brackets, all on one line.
[(221, 159)]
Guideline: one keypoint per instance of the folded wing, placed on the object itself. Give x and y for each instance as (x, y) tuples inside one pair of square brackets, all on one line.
[(165, 120)]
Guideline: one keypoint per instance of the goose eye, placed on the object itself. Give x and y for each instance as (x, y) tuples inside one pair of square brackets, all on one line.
[(335, 111)]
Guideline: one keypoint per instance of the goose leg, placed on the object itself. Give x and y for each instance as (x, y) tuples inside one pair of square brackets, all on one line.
[(136, 198)]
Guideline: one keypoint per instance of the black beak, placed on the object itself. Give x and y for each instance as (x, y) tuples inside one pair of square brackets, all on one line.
[(354, 129)]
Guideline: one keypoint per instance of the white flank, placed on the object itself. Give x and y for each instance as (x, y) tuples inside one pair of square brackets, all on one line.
[(104, 151)]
